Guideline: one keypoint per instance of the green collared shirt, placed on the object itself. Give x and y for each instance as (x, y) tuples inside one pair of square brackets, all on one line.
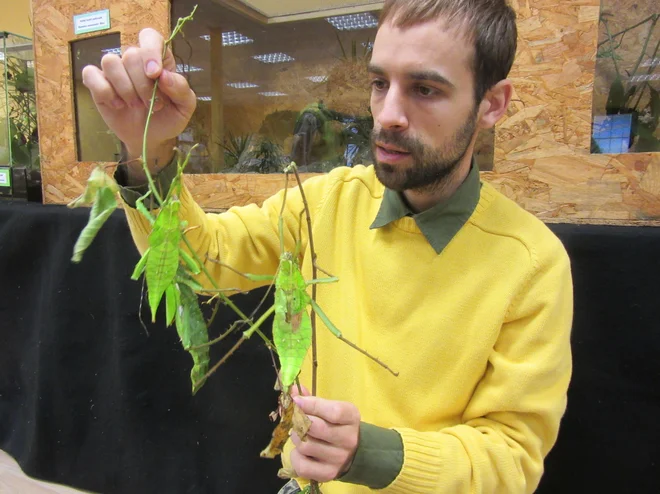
[(440, 223)]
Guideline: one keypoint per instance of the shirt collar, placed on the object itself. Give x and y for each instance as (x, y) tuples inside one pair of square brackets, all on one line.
[(440, 223)]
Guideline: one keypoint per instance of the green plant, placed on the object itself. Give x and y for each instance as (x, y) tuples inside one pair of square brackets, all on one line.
[(236, 148), (24, 137), (270, 156), (627, 97)]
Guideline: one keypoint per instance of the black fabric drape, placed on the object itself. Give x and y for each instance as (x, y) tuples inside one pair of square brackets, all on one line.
[(88, 399)]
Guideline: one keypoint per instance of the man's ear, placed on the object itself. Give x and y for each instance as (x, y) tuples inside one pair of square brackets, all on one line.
[(495, 103)]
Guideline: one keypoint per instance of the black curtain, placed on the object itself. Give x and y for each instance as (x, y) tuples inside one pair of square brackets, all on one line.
[(90, 399)]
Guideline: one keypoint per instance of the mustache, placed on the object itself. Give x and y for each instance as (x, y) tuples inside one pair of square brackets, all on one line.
[(405, 143)]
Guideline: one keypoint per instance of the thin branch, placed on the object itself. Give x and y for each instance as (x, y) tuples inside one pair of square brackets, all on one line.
[(616, 66), (627, 29), (646, 45), (314, 486)]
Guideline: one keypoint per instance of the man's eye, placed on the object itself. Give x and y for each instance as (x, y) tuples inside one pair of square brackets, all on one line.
[(425, 90), (378, 84)]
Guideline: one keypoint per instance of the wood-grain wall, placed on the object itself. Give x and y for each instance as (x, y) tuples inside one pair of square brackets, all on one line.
[(542, 157)]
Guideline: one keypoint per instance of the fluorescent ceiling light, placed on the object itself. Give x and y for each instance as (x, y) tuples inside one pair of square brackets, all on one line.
[(274, 58), (114, 51), (271, 94), (642, 78), (353, 21), (242, 85), (182, 67), (232, 38), (204, 98), (317, 78)]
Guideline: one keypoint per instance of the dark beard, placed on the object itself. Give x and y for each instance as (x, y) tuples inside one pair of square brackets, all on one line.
[(431, 167)]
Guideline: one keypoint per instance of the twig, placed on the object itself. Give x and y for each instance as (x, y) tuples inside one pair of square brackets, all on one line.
[(145, 162), (312, 251), (646, 45), (628, 29), (616, 66), (314, 485)]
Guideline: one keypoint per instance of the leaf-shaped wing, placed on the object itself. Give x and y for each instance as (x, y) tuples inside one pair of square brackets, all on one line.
[(104, 204), (163, 259), (191, 326)]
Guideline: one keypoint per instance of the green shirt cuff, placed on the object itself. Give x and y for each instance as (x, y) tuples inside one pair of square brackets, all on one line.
[(131, 193), (378, 459)]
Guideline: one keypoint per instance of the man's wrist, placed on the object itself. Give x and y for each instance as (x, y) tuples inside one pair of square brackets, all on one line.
[(158, 158)]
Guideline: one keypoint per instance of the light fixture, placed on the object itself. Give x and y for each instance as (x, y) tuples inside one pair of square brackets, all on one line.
[(643, 78), (242, 85), (204, 98), (317, 78), (114, 51), (182, 67), (651, 62), (352, 22), (231, 38), (271, 94), (274, 58)]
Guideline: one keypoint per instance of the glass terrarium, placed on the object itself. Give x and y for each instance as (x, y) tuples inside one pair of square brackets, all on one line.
[(19, 139)]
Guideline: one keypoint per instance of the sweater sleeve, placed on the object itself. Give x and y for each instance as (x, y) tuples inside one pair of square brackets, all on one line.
[(245, 238), (513, 418)]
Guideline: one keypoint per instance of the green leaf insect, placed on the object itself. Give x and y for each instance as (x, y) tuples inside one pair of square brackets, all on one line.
[(292, 328), (101, 193), (160, 262), (191, 326)]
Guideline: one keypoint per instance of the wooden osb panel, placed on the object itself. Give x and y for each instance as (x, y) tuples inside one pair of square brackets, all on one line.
[(542, 146), (542, 157), (63, 176)]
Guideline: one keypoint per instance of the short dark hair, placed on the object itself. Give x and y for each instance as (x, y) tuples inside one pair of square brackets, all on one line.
[(489, 24)]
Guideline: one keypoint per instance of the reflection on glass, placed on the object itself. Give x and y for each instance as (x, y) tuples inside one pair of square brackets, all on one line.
[(626, 107), (271, 93), (95, 142), (19, 140)]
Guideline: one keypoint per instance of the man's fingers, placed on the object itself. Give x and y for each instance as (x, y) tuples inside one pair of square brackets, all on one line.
[(143, 85), (175, 87), (151, 49), (102, 91), (319, 450), (337, 435), (335, 412), (309, 468), (294, 391), (116, 75)]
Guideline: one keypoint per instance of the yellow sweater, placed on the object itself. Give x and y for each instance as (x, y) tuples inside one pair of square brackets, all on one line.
[(479, 333)]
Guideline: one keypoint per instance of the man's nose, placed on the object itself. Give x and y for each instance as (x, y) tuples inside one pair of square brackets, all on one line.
[(393, 112)]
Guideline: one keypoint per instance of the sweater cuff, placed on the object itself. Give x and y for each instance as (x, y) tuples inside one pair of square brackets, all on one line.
[(378, 459), (131, 193)]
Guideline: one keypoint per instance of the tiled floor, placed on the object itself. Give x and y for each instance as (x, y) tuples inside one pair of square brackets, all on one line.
[(14, 481)]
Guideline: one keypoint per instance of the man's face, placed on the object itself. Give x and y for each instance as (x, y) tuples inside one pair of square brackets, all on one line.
[(422, 99)]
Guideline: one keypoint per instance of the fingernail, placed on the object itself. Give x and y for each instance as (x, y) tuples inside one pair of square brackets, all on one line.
[(297, 400), (117, 104), (152, 67)]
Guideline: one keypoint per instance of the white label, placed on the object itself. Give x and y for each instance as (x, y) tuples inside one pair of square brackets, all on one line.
[(91, 22), (4, 177)]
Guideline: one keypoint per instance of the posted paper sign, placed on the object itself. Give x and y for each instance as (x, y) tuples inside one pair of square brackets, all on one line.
[(5, 177), (91, 22)]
